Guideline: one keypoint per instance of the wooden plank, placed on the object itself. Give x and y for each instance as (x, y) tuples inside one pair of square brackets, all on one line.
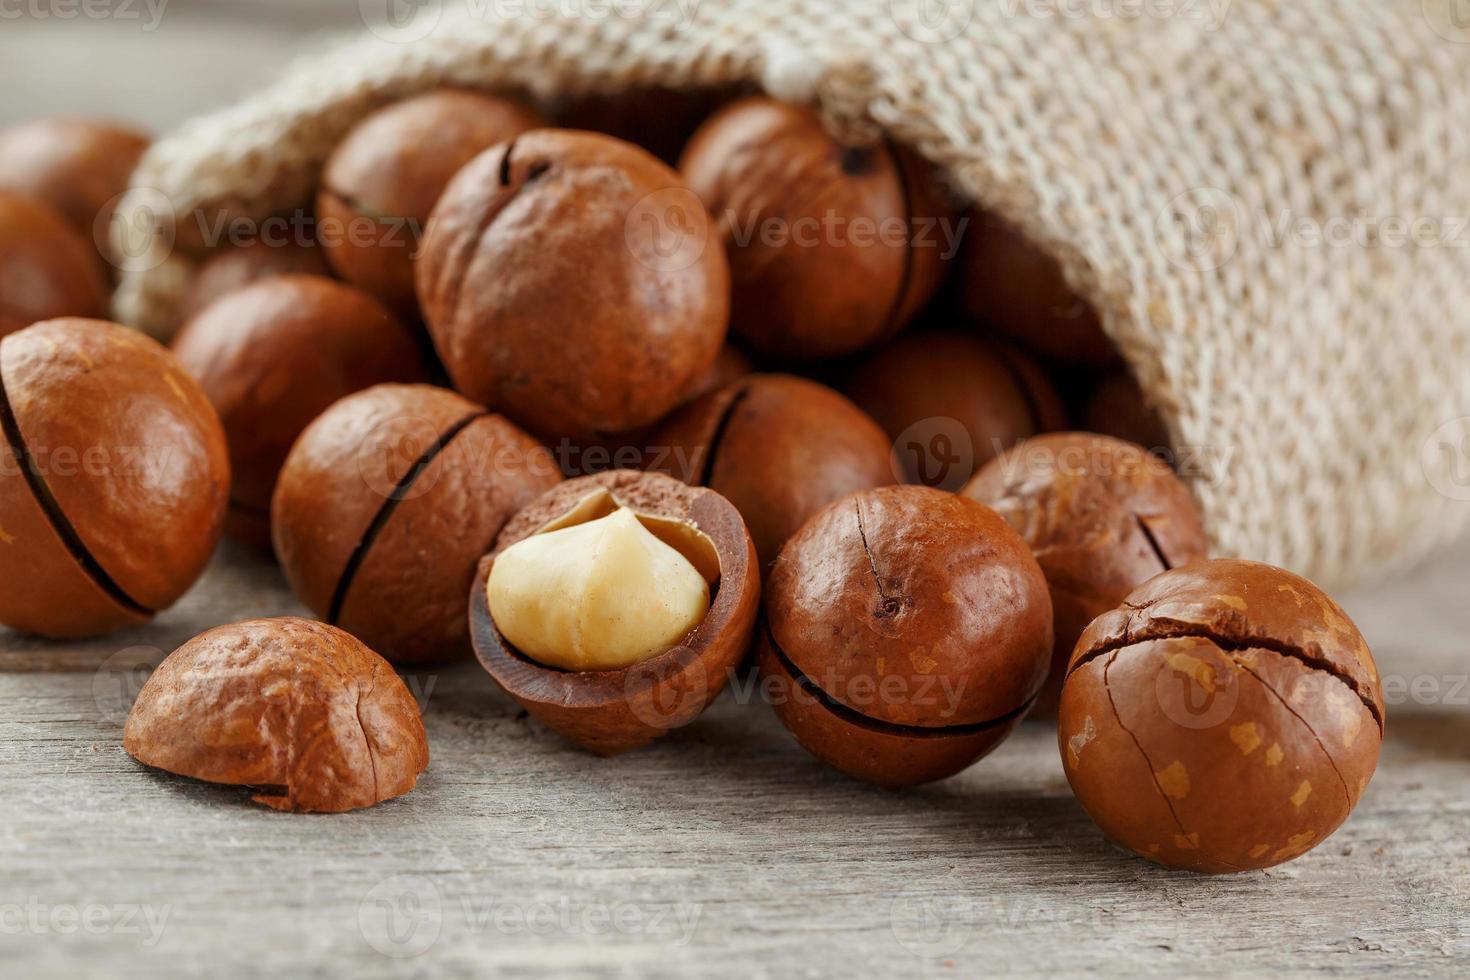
[(723, 850)]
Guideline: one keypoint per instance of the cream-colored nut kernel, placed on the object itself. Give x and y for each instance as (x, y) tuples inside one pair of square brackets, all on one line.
[(602, 595)]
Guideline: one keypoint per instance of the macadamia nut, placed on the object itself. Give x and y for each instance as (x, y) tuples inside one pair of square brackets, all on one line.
[(597, 596), (1227, 716)]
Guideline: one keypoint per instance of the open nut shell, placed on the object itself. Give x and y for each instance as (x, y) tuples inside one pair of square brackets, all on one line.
[(609, 712)]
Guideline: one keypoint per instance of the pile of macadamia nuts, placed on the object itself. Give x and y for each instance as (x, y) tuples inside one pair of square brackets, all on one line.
[(621, 414)]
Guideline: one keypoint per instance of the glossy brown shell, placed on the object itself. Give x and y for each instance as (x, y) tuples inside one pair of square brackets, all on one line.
[(240, 265), (1015, 288), (386, 504), (929, 388), (589, 334), (608, 712), (634, 450), (1227, 716), (1102, 517), (118, 496), (46, 268), (301, 712), (758, 162), (274, 355), (914, 617), (78, 166), (391, 169), (779, 447)]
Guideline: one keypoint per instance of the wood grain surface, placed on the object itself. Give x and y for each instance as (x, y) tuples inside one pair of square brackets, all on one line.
[(724, 850)]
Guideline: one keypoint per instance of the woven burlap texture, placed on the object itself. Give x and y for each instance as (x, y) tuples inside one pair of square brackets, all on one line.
[(1177, 158)]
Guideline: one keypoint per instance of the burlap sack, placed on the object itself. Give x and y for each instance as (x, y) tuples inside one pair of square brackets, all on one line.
[(1229, 181)]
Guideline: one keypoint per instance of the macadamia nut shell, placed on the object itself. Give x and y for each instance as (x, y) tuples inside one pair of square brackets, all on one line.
[(299, 711), (1226, 717)]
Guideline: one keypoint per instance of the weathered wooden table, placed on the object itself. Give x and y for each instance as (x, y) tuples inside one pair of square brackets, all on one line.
[(725, 849)]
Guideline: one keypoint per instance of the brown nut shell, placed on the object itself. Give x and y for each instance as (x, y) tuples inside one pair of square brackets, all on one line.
[(240, 265), (274, 355), (114, 487), (299, 711), (789, 202), (951, 401), (1102, 517), (1017, 289), (387, 502), (852, 743), (46, 269), (779, 447), (388, 173), (77, 166), (633, 326), (609, 712), (1226, 717), (916, 623)]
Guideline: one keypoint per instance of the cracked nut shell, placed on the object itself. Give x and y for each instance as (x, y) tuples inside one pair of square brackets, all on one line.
[(1226, 717), (1017, 289), (818, 290), (907, 632), (779, 447), (386, 503), (46, 269), (114, 482), (388, 173), (549, 236), (934, 390), (608, 712), (1102, 517), (274, 355), (298, 711)]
